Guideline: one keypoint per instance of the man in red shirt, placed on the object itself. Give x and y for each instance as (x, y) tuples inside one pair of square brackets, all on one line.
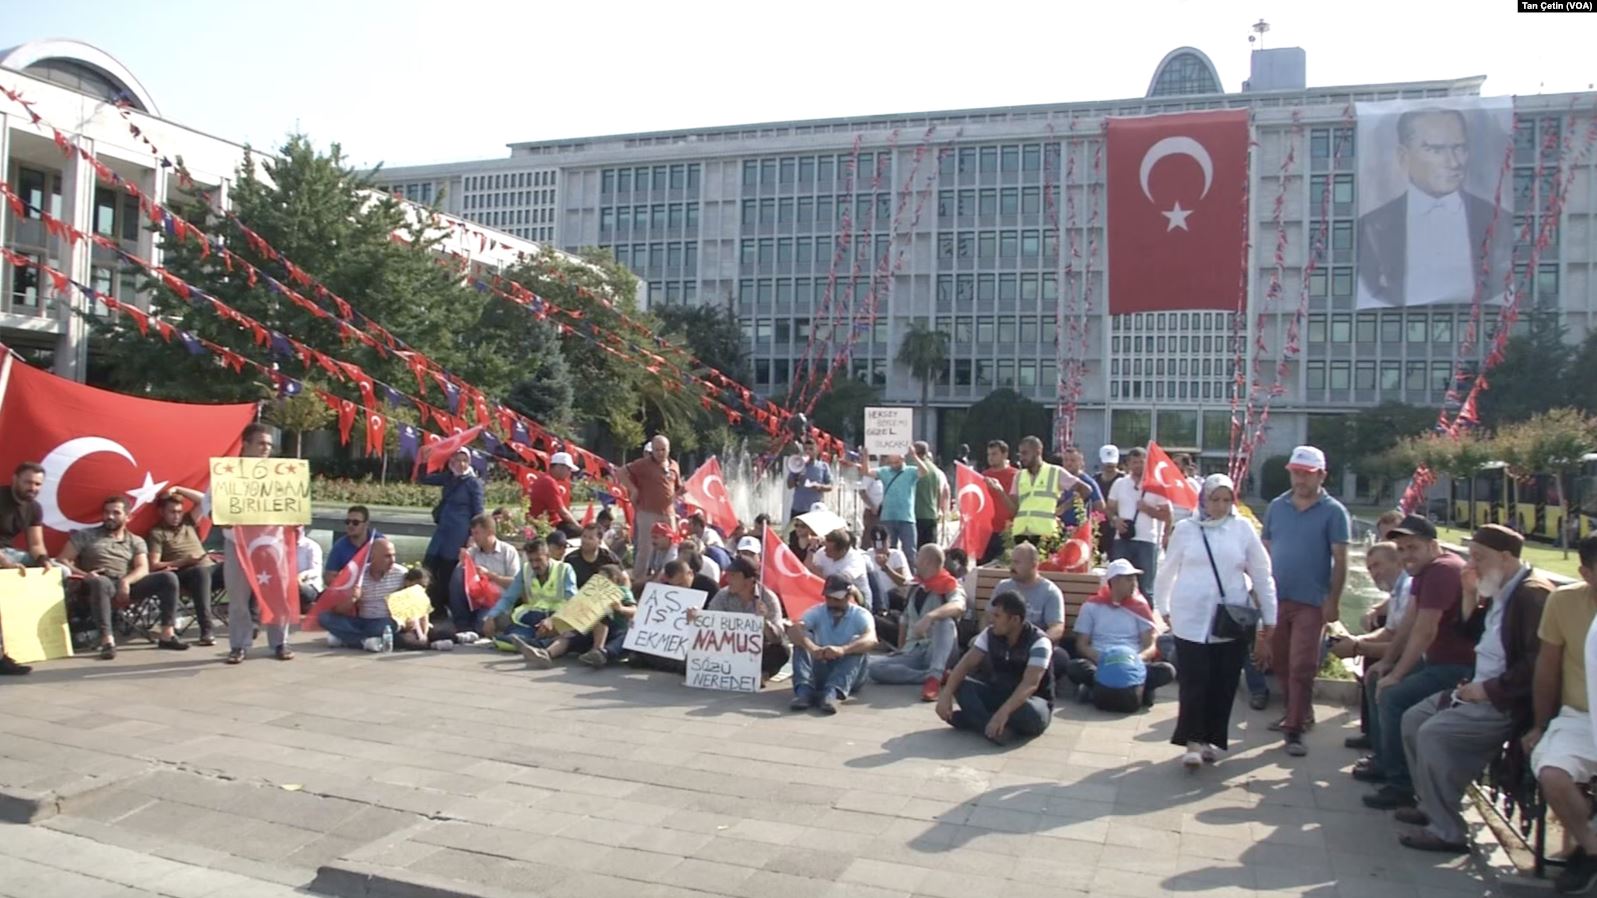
[(654, 482), (999, 469), (550, 496)]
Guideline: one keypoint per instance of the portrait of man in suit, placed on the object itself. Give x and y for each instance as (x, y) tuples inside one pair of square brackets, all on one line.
[(1428, 245)]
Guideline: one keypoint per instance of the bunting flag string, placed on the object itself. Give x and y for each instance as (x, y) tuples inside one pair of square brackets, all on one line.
[(1076, 364), (843, 244), (1239, 319), (1051, 149), (863, 249)]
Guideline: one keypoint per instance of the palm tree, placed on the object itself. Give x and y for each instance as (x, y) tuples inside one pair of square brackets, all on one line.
[(925, 353)]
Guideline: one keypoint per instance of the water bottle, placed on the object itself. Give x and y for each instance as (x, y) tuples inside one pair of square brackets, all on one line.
[(388, 640)]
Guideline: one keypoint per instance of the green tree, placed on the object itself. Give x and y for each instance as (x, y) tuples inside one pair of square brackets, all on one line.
[(925, 353), (515, 347), (711, 333), (298, 415), (1004, 415), (1583, 374), (841, 409), (1548, 443), (1533, 376), (1360, 440)]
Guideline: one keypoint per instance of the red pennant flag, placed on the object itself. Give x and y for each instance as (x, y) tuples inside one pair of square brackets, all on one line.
[(707, 490), (376, 432), (588, 516), (1175, 227), (798, 587), (94, 443), (977, 513), (437, 454), (269, 556), (1164, 478), (346, 420), (480, 591), (341, 589)]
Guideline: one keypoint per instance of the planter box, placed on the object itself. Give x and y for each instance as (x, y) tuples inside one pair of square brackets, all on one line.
[(1077, 588)]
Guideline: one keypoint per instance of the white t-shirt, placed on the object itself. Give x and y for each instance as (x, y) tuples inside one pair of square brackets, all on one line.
[(1040, 654), (896, 561), (1124, 499), (309, 555), (852, 565)]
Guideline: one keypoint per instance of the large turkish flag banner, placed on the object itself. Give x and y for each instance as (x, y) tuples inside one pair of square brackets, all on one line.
[(977, 511), (797, 586), (95, 444), (269, 558), (708, 491), (1176, 216)]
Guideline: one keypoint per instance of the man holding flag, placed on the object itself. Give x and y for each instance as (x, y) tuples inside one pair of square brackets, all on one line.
[(1139, 513), (241, 579), (1037, 492)]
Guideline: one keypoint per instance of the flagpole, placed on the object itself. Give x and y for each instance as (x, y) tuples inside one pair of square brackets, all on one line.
[(5, 374)]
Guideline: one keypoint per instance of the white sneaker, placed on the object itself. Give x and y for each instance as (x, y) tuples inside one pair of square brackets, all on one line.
[(1211, 754), (333, 642), (443, 645), (467, 638), (1193, 759), (374, 644)]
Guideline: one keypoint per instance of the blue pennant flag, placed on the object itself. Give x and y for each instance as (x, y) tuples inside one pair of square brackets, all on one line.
[(479, 462), (604, 498), (408, 441), (518, 433), (191, 343), (393, 397), (493, 443), (453, 392), (288, 386), (280, 345)]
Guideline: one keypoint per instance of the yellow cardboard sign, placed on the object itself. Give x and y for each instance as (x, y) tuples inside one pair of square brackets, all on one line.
[(261, 491), (409, 603), (33, 615), (592, 603)]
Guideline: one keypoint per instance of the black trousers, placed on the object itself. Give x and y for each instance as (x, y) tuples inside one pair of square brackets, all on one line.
[(1082, 672), (197, 582), (1207, 678), (925, 532), (100, 592), (440, 569)]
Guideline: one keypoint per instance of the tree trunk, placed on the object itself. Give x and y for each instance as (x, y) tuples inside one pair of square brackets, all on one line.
[(925, 404), (299, 444)]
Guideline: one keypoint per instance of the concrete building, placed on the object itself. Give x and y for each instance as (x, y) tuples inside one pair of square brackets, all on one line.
[(749, 215), (76, 87)]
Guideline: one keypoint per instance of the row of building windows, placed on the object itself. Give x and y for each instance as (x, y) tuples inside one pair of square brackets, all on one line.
[(511, 180), (1008, 158), (823, 211), (657, 216), (990, 201), (416, 192), (682, 176), (114, 214), (509, 219), (1178, 428), (539, 235), (676, 257), (813, 250), (509, 198), (1169, 389), (1159, 367), (771, 374), (807, 171), (1415, 378), (24, 296), (1025, 286), (804, 292), (1028, 374), (788, 331), (1394, 327), (674, 292), (965, 246)]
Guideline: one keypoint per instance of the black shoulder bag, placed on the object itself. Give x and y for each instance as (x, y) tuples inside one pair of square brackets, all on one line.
[(1230, 621)]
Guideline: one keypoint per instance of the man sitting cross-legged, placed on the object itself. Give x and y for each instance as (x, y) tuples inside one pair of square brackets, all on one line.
[(1002, 684), (543, 585), (495, 559), (1114, 645), (1045, 604), (744, 594), (830, 643), (363, 619), (598, 646), (115, 566), (930, 629)]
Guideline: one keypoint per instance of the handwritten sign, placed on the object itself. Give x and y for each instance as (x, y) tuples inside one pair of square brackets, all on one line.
[(661, 625), (726, 650), (33, 615), (592, 603), (261, 491), (888, 431), (408, 604)]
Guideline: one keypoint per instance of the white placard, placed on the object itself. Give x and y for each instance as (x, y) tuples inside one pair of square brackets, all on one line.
[(660, 626), (725, 651), (888, 431)]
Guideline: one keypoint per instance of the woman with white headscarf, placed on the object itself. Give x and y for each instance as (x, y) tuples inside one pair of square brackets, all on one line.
[(1211, 562)]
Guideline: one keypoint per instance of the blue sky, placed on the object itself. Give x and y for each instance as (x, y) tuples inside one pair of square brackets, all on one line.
[(405, 81)]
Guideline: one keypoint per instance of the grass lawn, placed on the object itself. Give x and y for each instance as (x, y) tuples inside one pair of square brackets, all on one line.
[(1548, 558)]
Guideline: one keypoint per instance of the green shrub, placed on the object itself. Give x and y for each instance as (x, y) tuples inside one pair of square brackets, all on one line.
[(344, 491)]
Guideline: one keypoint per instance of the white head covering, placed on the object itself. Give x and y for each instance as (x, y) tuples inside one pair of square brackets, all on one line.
[(1216, 481)]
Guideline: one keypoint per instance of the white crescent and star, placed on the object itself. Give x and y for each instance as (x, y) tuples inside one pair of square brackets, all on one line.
[(977, 490), (58, 461), (1177, 146), (272, 543), (719, 493)]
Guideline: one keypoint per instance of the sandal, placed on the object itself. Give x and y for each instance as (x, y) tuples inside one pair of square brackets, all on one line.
[(284, 653), (236, 656)]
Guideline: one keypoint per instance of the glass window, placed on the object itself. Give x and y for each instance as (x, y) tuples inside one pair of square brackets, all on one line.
[(1365, 328), (1391, 378), (1441, 376), (806, 169), (25, 283), (1026, 375), (1342, 189), (1050, 287), (767, 172), (986, 288), (962, 330), (1030, 200), (1009, 159), (1341, 329), (989, 160), (824, 166), (1392, 329), (1216, 430), (104, 212), (789, 170), (986, 245), (1314, 376), (967, 202), (1130, 427), (1340, 373), (1009, 201), (1341, 282), (1028, 244), (1006, 286), (607, 181), (1178, 429), (1006, 330), (693, 179), (1342, 236), (962, 372), (1031, 157), (1317, 282), (984, 330), (1028, 287), (967, 160), (1364, 376), (1442, 329), (1008, 244), (965, 288), (1416, 328), (1316, 330), (1414, 378)]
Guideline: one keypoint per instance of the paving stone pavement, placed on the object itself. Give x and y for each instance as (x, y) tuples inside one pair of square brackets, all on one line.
[(461, 773)]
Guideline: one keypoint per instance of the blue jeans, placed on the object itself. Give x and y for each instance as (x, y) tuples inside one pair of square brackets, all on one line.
[(901, 535), (581, 642), (1145, 556), (1386, 727), (352, 631), (838, 678), (1257, 683), (460, 610), (920, 663), (527, 629), (978, 700)]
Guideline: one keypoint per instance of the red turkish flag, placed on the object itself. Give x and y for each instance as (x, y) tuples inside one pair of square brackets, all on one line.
[(1176, 185), (95, 443), (707, 490), (376, 431), (436, 453), (269, 556), (797, 586), (1163, 477), (481, 592), (341, 589), (977, 513)]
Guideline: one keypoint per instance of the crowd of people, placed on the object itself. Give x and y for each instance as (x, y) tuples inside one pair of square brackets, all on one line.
[(1464, 657)]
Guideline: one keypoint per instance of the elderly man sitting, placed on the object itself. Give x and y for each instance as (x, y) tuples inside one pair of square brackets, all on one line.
[(1114, 667), (364, 620), (930, 629), (1003, 684), (830, 643)]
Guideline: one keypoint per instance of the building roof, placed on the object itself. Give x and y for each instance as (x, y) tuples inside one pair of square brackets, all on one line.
[(1184, 71), (78, 66)]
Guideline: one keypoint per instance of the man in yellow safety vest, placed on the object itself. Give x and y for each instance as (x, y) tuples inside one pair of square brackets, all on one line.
[(1037, 493)]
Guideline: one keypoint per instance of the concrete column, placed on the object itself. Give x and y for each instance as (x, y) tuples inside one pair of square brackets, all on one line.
[(77, 208)]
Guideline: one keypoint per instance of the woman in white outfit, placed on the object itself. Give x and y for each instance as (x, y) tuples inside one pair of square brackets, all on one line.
[(1188, 590)]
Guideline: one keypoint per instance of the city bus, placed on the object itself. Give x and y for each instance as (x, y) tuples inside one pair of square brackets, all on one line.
[(1533, 506)]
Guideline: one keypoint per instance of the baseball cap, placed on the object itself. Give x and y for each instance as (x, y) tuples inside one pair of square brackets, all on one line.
[(1306, 458), (1414, 525), (749, 544), (562, 458), (1120, 567), (1109, 455), (837, 586)]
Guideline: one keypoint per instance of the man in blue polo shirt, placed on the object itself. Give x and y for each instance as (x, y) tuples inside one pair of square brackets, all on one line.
[(830, 645), (1306, 532), (357, 530)]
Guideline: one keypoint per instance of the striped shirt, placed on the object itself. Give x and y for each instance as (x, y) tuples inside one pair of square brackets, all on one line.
[(374, 592)]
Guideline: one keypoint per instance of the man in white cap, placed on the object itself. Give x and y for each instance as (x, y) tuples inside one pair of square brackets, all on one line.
[(549, 497), (1306, 532), (1108, 472), (1114, 666)]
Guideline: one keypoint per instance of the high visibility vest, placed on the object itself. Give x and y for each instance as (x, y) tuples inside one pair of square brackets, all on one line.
[(1039, 496), (541, 596)]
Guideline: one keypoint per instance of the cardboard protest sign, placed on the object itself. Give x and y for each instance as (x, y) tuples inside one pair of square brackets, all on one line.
[(888, 431), (661, 626), (261, 491), (592, 603), (409, 604), (725, 651), (33, 615)]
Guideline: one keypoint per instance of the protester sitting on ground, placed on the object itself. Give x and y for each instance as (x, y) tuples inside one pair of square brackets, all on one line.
[(1563, 750), (750, 549), (114, 565), (357, 530), (559, 546), (308, 557), (888, 570), (549, 497), (496, 560), (696, 566), (707, 566), (837, 555), (830, 645), (1045, 604), (1116, 666), (22, 515), (1437, 654), (614, 533), (1002, 685), (662, 547), (598, 646), (175, 547), (408, 608), (362, 621), (743, 594), (699, 528), (956, 562), (929, 627), (591, 554), (802, 541), (532, 597), (1384, 566), (1449, 738)]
